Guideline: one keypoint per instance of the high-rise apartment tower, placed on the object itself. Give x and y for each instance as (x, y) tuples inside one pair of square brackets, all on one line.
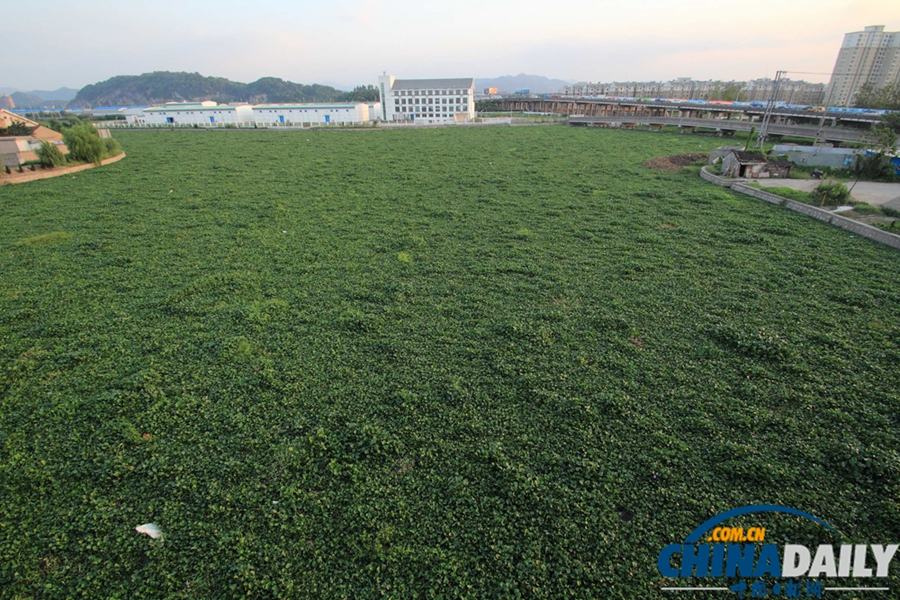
[(871, 55)]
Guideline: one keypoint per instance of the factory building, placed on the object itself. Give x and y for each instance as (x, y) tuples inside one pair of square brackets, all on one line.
[(316, 114), (207, 114), (210, 114), (429, 101), (871, 55)]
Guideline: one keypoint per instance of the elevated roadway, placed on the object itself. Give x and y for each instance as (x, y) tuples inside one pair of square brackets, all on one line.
[(726, 118), (729, 126)]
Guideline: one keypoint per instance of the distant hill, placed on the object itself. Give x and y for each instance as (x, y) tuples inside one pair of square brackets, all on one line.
[(63, 94), (510, 83), (24, 100), (165, 86), (37, 98)]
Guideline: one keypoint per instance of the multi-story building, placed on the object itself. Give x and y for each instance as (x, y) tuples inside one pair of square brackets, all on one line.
[(685, 88), (868, 56), (427, 100), (789, 91)]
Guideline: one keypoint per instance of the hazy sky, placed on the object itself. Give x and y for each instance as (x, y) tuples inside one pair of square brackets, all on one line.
[(56, 43)]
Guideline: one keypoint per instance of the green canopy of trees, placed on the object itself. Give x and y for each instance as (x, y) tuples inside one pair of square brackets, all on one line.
[(887, 97), (84, 143), (362, 93), (50, 155), (16, 129), (165, 86)]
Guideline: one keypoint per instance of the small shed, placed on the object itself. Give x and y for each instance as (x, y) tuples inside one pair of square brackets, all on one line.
[(743, 164), (779, 167)]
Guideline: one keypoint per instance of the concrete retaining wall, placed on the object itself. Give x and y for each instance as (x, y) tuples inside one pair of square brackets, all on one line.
[(860, 229), (718, 180)]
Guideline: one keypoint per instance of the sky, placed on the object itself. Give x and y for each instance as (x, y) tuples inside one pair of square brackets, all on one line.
[(72, 44)]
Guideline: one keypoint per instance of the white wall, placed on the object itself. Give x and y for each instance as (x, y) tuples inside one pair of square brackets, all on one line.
[(202, 116), (296, 114)]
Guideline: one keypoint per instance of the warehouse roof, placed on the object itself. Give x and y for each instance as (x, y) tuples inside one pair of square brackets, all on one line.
[(189, 108), (281, 106), (438, 84)]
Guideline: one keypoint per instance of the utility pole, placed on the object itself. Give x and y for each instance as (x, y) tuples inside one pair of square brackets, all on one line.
[(770, 107)]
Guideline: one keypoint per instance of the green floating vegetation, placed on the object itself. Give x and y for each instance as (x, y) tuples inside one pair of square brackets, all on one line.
[(44, 238), (416, 364)]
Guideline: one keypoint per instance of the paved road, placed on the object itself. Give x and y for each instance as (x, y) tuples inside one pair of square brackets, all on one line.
[(875, 194)]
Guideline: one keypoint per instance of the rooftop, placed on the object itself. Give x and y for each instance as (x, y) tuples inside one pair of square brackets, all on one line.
[(464, 83), (282, 106), (187, 108)]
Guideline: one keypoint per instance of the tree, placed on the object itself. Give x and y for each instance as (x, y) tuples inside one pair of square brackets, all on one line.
[(891, 120), (883, 138), (750, 137), (50, 156), (362, 93), (16, 128), (832, 193), (84, 143), (731, 91), (111, 147), (868, 96)]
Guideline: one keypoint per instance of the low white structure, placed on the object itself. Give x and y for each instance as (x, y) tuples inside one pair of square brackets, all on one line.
[(374, 111), (316, 114), (427, 100), (206, 114)]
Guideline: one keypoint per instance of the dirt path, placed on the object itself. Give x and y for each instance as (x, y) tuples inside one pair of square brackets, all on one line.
[(875, 194), (55, 172)]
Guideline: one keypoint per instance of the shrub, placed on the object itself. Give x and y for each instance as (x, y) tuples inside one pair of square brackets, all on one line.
[(789, 193), (112, 147), (84, 143), (865, 208), (830, 193), (50, 156)]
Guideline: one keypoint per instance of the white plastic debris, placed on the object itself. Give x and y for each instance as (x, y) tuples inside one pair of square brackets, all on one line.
[(150, 529)]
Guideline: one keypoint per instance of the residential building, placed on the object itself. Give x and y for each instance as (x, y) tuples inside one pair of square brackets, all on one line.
[(16, 150), (427, 100), (685, 88), (868, 56)]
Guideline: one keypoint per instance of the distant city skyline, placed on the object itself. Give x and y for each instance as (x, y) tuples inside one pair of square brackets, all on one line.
[(351, 42)]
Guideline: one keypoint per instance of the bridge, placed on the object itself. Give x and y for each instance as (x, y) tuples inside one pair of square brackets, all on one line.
[(727, 127), (835, 127)]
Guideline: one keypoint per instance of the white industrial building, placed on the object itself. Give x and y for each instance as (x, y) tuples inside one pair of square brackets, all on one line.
[(208, 114), (316, 114), (427, 100)]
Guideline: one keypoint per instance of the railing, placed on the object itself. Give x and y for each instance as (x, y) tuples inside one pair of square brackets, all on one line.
[(831, 133)]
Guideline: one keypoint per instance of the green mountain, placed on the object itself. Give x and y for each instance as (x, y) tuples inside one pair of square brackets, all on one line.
[(165, 86), (24, 100)]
